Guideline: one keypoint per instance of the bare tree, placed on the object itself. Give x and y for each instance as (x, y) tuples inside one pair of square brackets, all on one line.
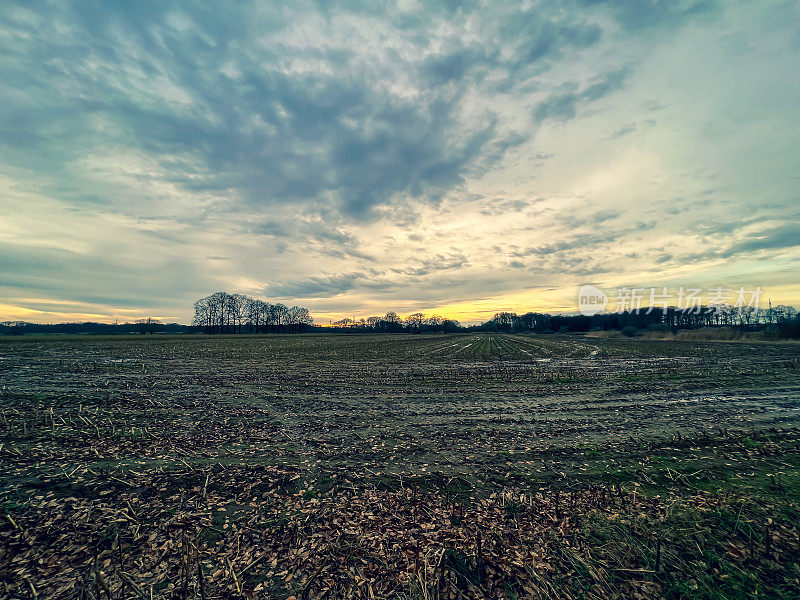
[(237, 304), (203, 315), (783, 313), (415, 321), (219, 307), (299, 316), (253, 313), (265, 310), (279, 314), (434, 322)]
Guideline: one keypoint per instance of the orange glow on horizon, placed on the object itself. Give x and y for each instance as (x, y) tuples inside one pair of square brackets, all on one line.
[(10, 312), (553, 301)]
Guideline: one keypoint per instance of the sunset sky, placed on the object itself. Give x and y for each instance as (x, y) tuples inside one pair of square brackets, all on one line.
[(359, 157)]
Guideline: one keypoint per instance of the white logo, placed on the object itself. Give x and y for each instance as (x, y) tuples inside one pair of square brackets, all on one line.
[(591, 300)]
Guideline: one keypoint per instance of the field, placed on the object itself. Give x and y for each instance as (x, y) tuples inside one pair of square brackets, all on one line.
[(398, 466)]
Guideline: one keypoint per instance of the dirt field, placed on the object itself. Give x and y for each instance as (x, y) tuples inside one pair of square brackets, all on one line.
[(398, 467)]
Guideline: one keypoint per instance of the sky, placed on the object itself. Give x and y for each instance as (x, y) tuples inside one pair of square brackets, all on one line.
[(361, 157)]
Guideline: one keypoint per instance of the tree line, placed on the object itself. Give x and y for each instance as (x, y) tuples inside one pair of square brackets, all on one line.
[(222, 312), (784, 319), (140, 327), (391, 322)]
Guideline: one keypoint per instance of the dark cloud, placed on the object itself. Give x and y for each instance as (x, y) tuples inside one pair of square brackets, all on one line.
[(501, 206), (777, 238), (219, 107), (436, 263), (646, 14), (604, 215), (565, 106), (319, 286), (624, 130), (322, 237), (455, 66), (577, 246), (535, 38), (573, 221), (375, 280), (774, 238)]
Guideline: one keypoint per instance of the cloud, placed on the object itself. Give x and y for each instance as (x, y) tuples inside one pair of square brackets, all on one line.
[(318, 286), (265, 115), (565, 106), (500, 206), (328, 239), (649, 14), (624, 130), (433, 264), (774, 238), (583, 219)]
